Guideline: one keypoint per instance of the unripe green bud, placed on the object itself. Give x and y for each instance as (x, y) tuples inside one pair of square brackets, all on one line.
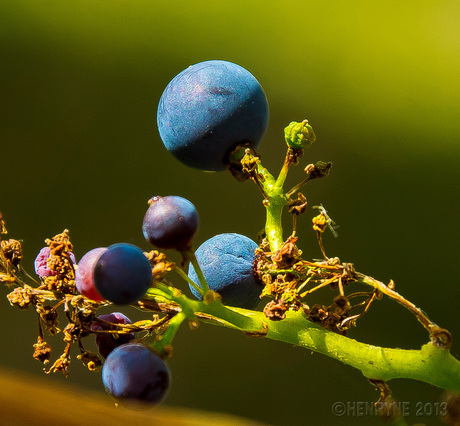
[(299, 135)]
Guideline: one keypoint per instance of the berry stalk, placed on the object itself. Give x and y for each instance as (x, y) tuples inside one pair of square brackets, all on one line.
[(274, 197), (431, 364), (273, 226)]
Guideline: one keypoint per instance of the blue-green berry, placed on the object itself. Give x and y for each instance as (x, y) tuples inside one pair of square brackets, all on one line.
[(207, 110), (227, 262)]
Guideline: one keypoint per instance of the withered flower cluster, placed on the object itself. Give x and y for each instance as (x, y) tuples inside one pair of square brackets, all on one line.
[(54, 297)]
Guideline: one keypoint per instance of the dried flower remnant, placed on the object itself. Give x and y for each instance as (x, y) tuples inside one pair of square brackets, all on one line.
[(42, 350), (276, 311), (61, 264), (12, 251), (161, 265), (42, 269)]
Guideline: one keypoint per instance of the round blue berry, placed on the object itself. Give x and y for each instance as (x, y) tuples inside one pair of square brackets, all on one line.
[(227, 262), (171, 222), (207, 110), (133, 373), (122, 274)]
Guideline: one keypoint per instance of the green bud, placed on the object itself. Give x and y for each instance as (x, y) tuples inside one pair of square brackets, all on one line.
[(299, 135)]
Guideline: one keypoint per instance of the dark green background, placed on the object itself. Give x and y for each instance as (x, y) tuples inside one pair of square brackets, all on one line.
[(379, 82)]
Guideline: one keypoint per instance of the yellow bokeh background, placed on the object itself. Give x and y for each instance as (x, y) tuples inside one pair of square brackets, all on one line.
[(378, 81)]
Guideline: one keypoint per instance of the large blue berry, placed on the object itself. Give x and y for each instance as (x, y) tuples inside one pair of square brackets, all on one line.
[(133, 373), (84, 274), (107, 342), (170, 222), (227, 262), (122, 274), (207, 110)]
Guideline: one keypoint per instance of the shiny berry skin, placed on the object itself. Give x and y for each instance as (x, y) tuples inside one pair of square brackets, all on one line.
[(84, 274), (122, 274), (133, 373), (107, 342), (171, 222), (207, 110), (227, 262)]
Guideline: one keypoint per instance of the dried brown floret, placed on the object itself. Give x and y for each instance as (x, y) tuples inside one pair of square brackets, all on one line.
[(299, 205), (318, 170), (320, 223), (61, 364), (12, 251), (42, 351), (161, 265), (49, 318), (60, 263), (275, 310), (287, 255), (23, 297), (318, 313), (91, 360), (71, 333)]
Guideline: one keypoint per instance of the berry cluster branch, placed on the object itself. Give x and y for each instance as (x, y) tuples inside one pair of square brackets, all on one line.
[(439, 336), (432, 363), (228, 274), (298, 136)]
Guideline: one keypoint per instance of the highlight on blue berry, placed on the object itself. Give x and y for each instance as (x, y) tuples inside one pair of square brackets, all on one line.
[(133, 373), (107, 342), (122, 274), (209, 109), (170, 222), (84, 281), (227, 262)]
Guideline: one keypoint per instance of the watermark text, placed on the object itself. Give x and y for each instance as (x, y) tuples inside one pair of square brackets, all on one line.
[(393, 408)]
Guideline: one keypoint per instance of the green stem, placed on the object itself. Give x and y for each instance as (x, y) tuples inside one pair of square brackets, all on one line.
[(430, 364), (273, 225), (189, 256), (294, 189), (163, 343), (438, 335), (283, 172), (274, 202), (199, 274), (185, 277)]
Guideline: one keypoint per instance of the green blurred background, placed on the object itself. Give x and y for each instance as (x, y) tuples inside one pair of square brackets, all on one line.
[(378, 81)]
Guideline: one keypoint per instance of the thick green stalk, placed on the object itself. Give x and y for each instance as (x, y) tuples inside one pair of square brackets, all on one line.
[(274, 201), (429, 364), (273, 225)]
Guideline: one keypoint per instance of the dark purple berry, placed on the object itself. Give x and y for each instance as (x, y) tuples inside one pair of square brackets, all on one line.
[(107, 342), (170, 222), (84, 274), (122, 274), (207, 110), (133, 373), (227, 262)]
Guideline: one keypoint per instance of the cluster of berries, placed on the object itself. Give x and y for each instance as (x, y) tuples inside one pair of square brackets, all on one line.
[(205, 112)]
